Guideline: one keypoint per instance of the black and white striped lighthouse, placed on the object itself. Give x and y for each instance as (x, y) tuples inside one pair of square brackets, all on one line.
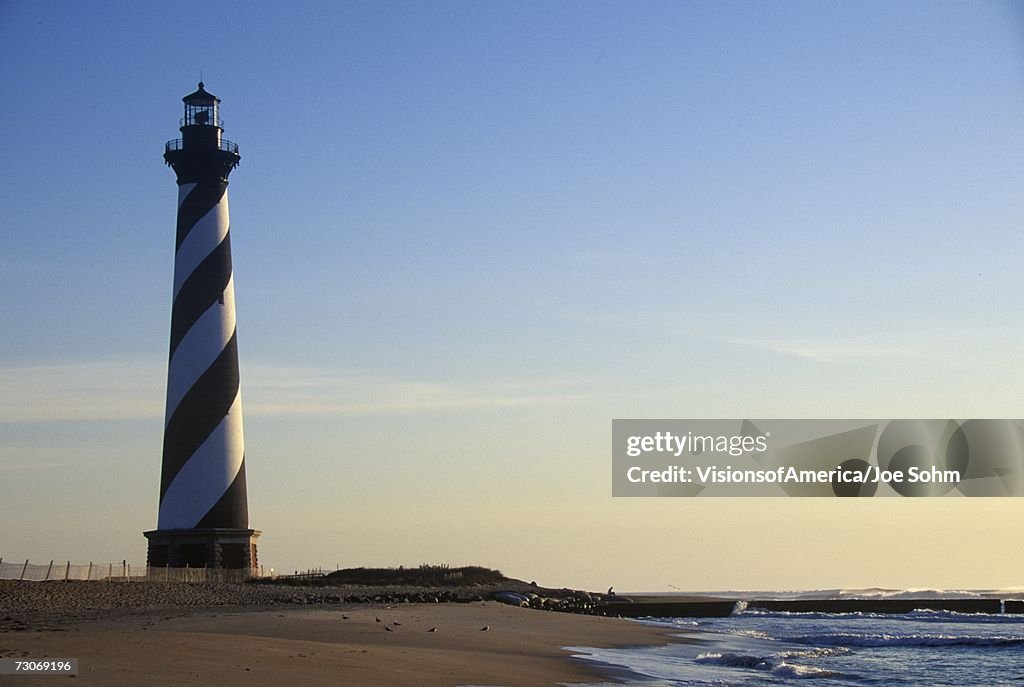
[(203, 519)]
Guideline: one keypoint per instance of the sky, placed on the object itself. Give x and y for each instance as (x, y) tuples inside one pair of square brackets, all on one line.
[(466, 236)]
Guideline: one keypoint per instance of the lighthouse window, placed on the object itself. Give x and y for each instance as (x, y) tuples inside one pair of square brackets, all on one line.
[(202, 114)]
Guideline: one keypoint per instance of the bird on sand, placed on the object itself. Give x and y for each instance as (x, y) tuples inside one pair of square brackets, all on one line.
[(377, 619), (485, 628), (388, 629), (396, 623), (433, 629), (344, 617)]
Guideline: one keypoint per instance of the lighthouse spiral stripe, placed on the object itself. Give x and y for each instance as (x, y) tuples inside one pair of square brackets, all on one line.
[(203, 480)]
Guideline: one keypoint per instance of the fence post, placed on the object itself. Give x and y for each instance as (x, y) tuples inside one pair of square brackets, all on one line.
[(88, 575), (67, 571), (110, 572), (47, 578), (167, 572), (23, 569)]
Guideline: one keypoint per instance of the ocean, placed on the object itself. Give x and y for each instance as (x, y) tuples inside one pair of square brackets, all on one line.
[(754, 647)]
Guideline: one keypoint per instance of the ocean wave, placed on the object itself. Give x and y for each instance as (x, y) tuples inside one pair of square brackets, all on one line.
[(932, 615), (755, 634), (668, 622), (804, 672), (869, 593), (882, 639), (765, 613), (911, 593), (817, 652), (734, 660), (920, 614), (771, 664)]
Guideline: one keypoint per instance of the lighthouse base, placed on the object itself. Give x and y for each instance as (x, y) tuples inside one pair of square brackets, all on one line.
[(216, 549)]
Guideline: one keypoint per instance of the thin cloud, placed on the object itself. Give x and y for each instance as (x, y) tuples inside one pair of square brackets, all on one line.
[(134, 390), (96, 390), (825, 351), (289, 391)]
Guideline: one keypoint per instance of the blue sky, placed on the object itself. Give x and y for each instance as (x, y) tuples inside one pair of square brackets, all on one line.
[(468, 235)]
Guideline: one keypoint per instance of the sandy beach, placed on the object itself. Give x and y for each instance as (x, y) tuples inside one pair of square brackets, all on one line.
[(151, 640)]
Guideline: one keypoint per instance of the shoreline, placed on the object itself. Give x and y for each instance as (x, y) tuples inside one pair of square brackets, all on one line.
[(236, 634), (260, 644)]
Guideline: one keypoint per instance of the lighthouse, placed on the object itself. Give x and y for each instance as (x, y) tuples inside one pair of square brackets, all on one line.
[(203, 519)]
